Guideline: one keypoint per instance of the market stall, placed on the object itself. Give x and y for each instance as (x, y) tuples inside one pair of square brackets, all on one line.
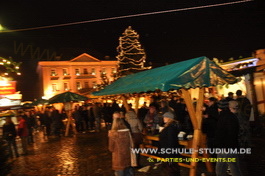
[(68, 98), (194, 73)]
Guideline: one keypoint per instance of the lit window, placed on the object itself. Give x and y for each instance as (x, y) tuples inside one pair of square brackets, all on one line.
[(53, 72), (78, 85), (104, 71), (65, 72), (113, 70), (54, 87), (93, 71), (66, 87), (77, 71), (94, 84)]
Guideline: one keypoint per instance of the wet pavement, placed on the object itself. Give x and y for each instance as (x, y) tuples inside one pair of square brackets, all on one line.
[(86, 154)]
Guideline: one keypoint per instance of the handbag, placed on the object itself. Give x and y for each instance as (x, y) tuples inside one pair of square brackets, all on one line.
[(133, 155)]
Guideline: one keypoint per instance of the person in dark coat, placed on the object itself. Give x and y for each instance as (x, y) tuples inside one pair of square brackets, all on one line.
[(57, 122), (31, 121), (9, 134), (142, 112), (47, 121), (84, 114), (227, 138), (78, 119), (223, 103), (168, 138), (209, 123), (107, 116), (182, 114), (244, 105)]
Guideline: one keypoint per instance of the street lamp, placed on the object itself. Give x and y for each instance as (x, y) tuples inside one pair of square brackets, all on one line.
[(1, 28)]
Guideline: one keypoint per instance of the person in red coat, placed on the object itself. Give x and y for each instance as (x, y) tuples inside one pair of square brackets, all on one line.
[(23, 133)]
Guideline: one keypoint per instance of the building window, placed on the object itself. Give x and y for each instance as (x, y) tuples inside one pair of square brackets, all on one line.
[(65, 71), (65, 86), (94, 84), (86, 85), (113, 70), (93, 71), (53, 72), (54, 87), (85, 71), (104, 71), (78, 85), (77, 71)]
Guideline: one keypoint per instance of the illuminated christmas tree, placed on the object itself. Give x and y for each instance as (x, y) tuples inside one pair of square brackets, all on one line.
[(131, 57)]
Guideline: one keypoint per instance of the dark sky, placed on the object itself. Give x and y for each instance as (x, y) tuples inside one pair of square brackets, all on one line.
[(222, 32)]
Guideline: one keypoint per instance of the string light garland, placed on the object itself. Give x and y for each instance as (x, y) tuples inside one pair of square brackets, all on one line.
[(8, 66), (127, 16), (131, 57)]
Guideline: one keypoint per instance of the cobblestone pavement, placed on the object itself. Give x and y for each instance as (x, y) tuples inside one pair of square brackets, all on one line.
[(86, 154)]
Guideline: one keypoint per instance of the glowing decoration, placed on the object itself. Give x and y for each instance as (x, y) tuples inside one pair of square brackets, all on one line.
[(8, 66), (131, 57)]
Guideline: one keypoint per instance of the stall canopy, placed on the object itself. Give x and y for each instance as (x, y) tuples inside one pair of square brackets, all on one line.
[(197, 72)]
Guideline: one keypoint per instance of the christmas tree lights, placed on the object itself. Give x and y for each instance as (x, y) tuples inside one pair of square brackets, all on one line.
[(131, 57)]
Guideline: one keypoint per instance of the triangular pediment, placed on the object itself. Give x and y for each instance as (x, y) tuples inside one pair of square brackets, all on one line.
[(85, 58)]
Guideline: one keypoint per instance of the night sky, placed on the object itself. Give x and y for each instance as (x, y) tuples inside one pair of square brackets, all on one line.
[(222, 32)]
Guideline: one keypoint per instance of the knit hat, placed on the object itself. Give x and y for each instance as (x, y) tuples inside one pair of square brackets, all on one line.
[(168, 115)]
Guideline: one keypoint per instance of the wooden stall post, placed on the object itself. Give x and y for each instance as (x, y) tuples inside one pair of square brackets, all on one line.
[(202, 142), (196, 119), (68, 109), (190, 107), (137, 98), (125, 103), (196, 135)]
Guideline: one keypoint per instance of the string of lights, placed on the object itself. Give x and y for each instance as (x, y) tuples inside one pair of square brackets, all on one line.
[(126, 16), (8, 66), (131, 56)]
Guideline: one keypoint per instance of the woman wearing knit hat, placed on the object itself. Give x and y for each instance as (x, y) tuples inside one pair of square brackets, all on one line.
[(168, 138)]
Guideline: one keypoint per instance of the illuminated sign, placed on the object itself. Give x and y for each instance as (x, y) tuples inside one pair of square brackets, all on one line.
[(7, 87), (7, 102)]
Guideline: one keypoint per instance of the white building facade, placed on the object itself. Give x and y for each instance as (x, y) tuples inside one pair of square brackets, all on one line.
[(78, 75)]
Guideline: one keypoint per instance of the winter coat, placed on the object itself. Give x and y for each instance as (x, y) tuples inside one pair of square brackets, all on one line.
[(119, 145), (134, 122), (227, 130), (9, 131), (22, 128), (168, 138), (151, 120), (136, 127)]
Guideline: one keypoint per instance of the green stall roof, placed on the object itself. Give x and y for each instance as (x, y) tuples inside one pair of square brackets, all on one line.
[(197, 72)]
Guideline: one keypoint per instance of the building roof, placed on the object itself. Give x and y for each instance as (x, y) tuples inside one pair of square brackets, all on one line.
[(84, 58)]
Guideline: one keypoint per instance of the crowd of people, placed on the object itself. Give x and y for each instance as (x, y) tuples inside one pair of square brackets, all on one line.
[(225, 123)]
